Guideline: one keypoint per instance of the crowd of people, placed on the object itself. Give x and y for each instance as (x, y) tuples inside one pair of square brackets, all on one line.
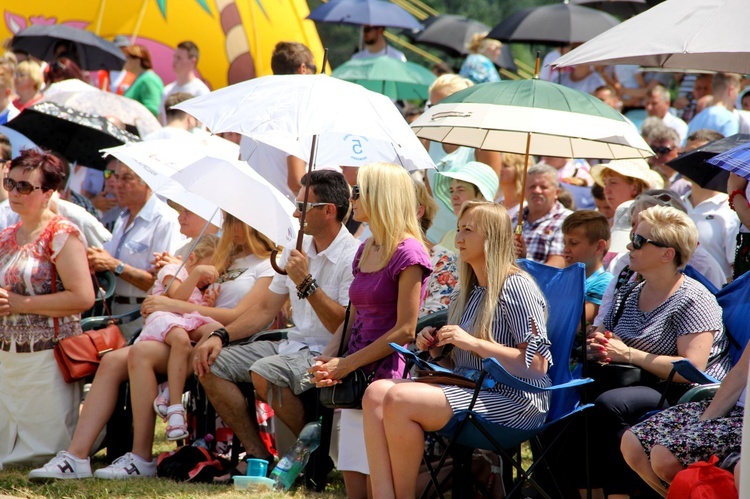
[(383, 247)]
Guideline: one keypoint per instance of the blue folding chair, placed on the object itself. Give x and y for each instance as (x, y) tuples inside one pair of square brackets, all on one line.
[(564, 290)]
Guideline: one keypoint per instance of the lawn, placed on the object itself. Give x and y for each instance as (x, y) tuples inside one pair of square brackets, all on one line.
[(13, 482)]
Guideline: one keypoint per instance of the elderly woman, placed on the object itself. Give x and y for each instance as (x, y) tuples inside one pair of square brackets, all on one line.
[(38, 409), (28, 81), (390, 270), (147, 86), (500, 313), (665, 317), (479, 66)]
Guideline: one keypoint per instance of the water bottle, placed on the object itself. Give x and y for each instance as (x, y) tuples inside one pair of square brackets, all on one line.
[(295, 460), (206, 442)]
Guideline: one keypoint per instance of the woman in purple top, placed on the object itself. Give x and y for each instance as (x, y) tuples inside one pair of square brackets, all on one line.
[(391, 270)]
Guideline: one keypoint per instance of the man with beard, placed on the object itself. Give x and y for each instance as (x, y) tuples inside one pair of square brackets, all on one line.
[(375, 46)]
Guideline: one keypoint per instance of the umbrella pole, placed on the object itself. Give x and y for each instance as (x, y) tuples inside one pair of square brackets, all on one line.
[(519, 225), (301, 233), (325, 61)]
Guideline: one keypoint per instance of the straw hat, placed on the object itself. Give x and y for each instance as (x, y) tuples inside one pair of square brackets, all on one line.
[(633, 168), (473, 172)]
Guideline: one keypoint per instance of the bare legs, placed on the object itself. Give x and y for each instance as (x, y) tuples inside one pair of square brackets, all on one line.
[(396, 414), (286, 405), (146, 360), (100, 402), (230, 403), (179, 357), (636, 457)]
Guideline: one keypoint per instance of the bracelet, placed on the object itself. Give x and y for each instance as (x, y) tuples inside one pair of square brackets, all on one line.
[(223, 334), (311, 288), (732, 195), (305, 283)]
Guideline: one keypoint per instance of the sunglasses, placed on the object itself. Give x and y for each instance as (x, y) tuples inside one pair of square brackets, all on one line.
[(355, 193), (661, 150), (310, 206), (21, 186), (108, 174), (367, 29), (638, 241)]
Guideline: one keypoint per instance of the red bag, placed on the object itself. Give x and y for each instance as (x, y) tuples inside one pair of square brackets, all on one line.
[(78, 356), (703, 480)]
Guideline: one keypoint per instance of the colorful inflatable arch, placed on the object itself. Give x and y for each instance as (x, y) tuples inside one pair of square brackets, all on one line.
[(236, 38)]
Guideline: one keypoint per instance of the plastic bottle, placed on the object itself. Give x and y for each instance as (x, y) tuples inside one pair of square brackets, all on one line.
[(207, 442), (295, 460)]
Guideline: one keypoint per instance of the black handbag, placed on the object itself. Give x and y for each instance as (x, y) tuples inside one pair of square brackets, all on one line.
[(347, 394)]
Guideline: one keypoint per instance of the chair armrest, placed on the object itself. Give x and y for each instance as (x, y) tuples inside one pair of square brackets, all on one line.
[(498, 373), (101, 321), (414, 358), (687, 370), (268, 335)]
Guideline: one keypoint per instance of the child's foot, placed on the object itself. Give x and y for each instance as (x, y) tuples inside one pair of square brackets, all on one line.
[(161, 402), (176, 427)]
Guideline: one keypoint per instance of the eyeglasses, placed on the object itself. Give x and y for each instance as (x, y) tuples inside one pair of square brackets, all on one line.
[(21, 186), (638, 241), (310, 206), (662, 150), (355, 193)]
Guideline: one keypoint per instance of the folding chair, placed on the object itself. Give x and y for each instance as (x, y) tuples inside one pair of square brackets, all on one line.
[(564, 290), (104, 289)]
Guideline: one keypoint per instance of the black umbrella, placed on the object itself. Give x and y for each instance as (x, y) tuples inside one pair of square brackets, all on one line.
[(558, 24), (621, 8), (93, 52), (693, 164), (452, 34), (77, 136)]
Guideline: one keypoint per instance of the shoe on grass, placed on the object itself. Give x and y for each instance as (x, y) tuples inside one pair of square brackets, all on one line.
[(127, 466), (64, 466)]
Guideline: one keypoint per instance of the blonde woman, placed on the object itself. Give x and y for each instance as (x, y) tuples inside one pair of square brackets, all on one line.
[(479, 66), (499, 312), (391, 270), (28, 81), (447, 156)]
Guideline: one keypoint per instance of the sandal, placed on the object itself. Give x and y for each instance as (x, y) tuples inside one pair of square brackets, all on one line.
[(161, 402), (177, 431)]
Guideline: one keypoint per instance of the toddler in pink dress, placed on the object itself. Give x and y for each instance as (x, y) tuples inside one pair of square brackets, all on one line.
[(179, 330)]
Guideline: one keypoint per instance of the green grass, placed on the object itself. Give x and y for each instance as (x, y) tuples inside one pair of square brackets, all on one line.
[(13, 482)]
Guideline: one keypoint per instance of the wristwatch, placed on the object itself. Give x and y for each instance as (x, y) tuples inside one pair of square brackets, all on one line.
[(120, 268)]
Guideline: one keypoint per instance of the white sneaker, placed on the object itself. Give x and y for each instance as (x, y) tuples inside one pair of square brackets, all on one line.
[(64, 466), (127, 466)]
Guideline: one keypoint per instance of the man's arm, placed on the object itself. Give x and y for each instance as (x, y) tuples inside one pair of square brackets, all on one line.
[(257, 317)]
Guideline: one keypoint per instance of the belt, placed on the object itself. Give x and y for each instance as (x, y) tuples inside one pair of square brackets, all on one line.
[(128, 300)]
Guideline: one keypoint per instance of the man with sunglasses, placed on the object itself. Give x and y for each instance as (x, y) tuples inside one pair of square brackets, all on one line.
[(318, 286), (375, 45), (665, 142)]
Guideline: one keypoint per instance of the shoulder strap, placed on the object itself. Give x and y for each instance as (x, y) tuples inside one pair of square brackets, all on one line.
[(343, 333), (621, 304)]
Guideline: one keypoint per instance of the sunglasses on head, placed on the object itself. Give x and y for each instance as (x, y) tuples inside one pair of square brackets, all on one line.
[(638, 241), (662, 150), (21, 186), (310, 206)]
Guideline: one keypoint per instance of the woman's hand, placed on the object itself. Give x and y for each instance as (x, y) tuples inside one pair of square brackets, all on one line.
[(328, 371), (426, 338), (162, 259), (210, 295), (607, 347), (454, 335), (156, 303)]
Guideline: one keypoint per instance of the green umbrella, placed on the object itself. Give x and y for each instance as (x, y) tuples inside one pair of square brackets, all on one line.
[(388, 76)]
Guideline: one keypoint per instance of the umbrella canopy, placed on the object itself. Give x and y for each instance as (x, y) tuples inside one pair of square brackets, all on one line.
[(77, 136), (129, 111), (447, 32), (365, 12), (18, 141), (695, 166), (708, 35), (621, 8), (534, 116), (252, 198), (735, 160), (353, 126), (557, 24), (391, 77), (93, 52)]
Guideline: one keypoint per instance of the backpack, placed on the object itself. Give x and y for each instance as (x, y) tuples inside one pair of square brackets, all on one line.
[(191, 464), (703, 480)]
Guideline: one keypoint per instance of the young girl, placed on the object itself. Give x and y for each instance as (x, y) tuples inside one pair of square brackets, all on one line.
[(179, 330)]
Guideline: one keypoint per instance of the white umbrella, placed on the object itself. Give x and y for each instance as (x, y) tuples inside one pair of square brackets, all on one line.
[(155, 161), (243, 193), (709, 35), (18, 140), (352, 126)]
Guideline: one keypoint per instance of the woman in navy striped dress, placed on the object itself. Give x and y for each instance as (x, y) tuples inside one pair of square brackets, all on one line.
[(511, 328)]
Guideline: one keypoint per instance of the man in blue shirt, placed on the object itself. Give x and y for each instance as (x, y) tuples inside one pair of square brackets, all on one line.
[(720, 116)]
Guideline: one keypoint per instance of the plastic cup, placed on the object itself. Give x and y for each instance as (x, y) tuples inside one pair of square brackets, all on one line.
[(257, 467)]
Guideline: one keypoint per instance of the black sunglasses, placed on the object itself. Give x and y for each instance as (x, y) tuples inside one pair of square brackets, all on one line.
[(21, 186), (638, 241), (662, 150), (355, 192)]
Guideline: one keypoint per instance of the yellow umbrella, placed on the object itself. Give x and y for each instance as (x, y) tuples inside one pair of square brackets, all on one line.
[(235, 38)]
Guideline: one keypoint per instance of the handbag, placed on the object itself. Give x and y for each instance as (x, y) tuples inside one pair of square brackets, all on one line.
[(348, 393), (78, 357)]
